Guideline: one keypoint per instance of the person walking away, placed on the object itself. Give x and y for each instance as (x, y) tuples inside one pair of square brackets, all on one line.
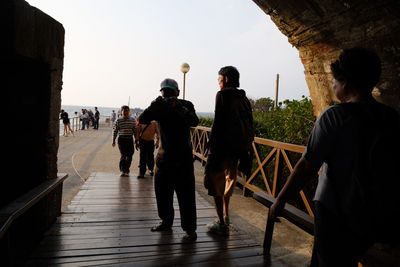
[(85, 119), (96, 118), (229, 147), (91, 117), (174, 169), (113, 117), (125, 129), (66, 123), (82, 118), (145, 141), (357, 144)]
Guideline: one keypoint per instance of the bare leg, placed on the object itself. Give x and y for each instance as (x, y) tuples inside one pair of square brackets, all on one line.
[(226, 205), (69, 127), (219, 206)]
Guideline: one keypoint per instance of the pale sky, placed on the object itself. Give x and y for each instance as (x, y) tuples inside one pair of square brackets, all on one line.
[(116, 49)]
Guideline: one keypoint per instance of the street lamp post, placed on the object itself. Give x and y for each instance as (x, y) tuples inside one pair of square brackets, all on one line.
[(184, 68)]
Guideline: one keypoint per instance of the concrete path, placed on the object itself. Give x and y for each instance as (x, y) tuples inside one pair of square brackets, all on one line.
[(90, 151)]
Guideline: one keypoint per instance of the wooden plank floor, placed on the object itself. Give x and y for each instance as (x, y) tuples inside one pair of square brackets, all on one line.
[(108, 223)]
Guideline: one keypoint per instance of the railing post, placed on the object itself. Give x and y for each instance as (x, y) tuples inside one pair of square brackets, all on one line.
[(269, 230)]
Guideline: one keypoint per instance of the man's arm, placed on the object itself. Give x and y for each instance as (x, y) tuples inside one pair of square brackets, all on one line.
[(115, 133), (189, 114), (157, 134), (152, 112), (137, 135), (217, 127), (302, 172)]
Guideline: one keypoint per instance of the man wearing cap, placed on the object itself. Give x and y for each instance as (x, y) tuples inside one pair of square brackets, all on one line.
[(174, 161)]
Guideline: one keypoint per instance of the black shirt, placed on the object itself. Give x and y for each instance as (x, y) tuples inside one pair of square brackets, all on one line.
[(64, 117), (175, 117)]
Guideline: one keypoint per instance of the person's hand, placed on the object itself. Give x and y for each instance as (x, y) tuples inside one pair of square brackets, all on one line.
[(113, 144), (276, 209), (157, 144)]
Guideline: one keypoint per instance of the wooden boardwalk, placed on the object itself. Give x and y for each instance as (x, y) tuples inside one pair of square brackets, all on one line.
[(108, 223)]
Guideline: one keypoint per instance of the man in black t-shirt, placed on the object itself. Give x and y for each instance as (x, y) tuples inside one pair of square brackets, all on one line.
[(174, 162), (357, 144), (229, 147), (96, 119)]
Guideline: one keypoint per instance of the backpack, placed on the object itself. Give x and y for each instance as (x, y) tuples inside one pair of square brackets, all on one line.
[(244, 117)]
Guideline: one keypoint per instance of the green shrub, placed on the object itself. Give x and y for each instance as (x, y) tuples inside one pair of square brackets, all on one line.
[(206, 122), (291, 122)]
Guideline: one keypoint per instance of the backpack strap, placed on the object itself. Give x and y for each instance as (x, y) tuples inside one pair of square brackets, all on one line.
[(147, 125)]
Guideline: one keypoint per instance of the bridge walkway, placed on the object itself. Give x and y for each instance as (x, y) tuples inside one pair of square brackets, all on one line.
[(104, 215), (108, 223)]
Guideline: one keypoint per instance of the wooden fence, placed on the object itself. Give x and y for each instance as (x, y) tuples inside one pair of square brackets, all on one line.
[(200, 136)]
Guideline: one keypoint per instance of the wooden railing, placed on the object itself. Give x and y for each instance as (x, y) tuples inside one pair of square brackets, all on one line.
[(200, 136)]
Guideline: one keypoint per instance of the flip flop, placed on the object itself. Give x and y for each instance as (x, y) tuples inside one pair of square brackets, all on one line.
[(160, 228)]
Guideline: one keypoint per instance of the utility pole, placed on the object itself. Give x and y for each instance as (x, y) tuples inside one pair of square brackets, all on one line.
[(276, 91)]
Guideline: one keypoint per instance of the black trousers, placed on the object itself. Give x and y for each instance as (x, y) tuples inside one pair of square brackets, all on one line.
[(146, 155), (126, 149), (179, 179), (96, 123)]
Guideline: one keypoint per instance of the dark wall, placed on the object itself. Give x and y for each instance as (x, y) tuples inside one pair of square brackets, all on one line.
[(27, 102), (31, 50)]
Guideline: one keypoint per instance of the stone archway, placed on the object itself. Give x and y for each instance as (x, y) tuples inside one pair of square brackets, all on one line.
[(320, 30)]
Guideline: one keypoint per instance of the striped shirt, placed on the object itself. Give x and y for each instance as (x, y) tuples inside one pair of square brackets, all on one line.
[(124, 127)]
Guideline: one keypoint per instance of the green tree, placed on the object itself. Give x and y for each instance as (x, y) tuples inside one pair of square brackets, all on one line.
[(264, 104)]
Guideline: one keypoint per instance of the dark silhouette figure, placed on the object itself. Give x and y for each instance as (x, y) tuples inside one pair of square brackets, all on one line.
[(357, 144), (174, 162)]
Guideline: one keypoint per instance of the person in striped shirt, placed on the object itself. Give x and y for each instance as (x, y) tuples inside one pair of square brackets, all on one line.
[(125, 128)]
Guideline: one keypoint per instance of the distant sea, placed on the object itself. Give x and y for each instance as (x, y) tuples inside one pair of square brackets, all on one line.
[(105, 112)]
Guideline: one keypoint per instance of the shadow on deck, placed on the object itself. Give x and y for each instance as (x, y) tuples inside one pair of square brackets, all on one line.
[(108, 223)]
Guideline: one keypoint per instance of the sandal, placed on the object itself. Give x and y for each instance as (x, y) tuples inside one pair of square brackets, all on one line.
[(160, 228)]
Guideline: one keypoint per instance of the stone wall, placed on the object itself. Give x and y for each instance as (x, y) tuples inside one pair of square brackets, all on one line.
[(40, 37), (320, 30), (32, 52)]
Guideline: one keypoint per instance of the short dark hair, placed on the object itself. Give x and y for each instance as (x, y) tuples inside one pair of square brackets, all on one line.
[(124, 107), (232, 74), (359, 67)]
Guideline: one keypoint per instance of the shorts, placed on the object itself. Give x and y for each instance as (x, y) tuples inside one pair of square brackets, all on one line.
[(220, 180)]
